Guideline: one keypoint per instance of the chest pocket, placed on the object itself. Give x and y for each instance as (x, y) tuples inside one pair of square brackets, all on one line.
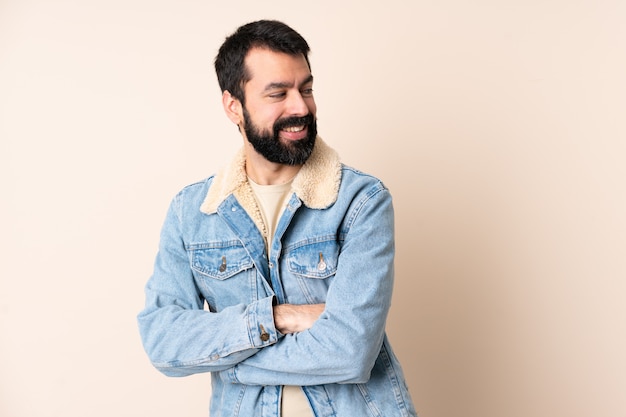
[(219, 261), (315, 260)]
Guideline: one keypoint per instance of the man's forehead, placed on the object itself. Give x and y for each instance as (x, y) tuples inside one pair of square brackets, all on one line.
[(266, 66)]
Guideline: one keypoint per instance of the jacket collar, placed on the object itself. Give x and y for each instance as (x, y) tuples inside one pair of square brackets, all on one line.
[(316, 184)]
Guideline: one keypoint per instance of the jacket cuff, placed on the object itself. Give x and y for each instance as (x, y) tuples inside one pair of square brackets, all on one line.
[(261, 327)]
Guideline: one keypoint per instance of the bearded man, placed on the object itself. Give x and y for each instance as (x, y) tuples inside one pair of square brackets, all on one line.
[(276, 273)]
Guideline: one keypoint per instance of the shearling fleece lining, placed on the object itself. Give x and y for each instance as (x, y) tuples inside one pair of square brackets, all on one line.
[(317, 183)]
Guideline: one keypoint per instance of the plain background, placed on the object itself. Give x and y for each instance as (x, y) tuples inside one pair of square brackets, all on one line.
[(499, 126)]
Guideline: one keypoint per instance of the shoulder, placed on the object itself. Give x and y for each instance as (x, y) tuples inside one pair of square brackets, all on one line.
[(355, 179), (193, 194)]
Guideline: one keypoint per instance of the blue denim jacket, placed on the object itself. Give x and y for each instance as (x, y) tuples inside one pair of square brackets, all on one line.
[(334, 244)]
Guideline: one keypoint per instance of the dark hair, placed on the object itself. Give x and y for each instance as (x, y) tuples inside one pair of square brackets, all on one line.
[(271, 34)]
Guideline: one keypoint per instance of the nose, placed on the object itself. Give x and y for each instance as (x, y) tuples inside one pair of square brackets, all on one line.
[(297, 105)]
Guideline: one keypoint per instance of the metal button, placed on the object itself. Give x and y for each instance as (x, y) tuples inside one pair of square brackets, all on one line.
[(264, 335), (223, 265), (322, 264)]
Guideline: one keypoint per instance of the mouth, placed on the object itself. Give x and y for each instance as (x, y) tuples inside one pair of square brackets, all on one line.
[(294, 129), (294, 132)]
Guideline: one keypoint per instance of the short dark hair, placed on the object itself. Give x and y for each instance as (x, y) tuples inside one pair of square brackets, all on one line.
[(271, 34)]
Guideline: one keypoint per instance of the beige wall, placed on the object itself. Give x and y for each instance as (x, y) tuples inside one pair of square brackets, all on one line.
[(498, 125)]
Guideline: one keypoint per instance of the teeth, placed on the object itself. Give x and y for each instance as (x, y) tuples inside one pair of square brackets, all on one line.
[(294, 129)]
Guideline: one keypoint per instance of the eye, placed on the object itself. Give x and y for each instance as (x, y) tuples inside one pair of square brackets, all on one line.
[(280, 94), (307, 92)]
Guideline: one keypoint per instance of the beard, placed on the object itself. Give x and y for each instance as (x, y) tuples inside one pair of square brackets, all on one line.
[(270, 146)]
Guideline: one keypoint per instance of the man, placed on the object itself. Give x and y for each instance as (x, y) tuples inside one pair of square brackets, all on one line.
[(291, 252)]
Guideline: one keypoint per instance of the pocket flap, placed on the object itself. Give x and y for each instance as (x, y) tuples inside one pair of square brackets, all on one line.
[(315, 260), (219, 260)]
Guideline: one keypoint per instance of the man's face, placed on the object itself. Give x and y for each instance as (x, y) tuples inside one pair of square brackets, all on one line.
[(279, 110)]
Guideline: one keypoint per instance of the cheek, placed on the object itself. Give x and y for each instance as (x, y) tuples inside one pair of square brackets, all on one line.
[(265, 119), (268, 116), (312, 106)]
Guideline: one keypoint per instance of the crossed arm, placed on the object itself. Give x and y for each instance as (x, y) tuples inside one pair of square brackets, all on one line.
[(243, 341), (292, 318)]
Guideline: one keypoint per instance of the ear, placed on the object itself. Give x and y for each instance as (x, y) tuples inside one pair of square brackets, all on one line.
[(232, 107)]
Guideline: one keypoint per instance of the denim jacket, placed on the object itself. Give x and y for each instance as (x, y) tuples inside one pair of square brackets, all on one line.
[(209, 301)]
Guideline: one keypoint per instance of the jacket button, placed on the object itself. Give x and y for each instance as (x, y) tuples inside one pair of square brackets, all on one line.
[(264, 335), (322, 264)]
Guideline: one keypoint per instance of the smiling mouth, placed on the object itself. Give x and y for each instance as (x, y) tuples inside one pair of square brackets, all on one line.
[(294, 129)]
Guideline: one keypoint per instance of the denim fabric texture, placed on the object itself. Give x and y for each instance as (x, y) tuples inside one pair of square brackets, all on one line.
[(341, 255)]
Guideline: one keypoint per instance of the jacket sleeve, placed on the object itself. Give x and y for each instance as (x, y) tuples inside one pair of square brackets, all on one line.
[(179, 336), (344, 343)]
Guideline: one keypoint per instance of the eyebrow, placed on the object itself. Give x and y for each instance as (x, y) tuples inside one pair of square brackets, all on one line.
[(279, 85)]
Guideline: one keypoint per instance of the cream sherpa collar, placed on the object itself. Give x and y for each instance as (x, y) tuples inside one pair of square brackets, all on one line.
[(317, 182)]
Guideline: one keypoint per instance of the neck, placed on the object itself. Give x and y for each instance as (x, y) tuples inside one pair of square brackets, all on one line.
[(264, 172)]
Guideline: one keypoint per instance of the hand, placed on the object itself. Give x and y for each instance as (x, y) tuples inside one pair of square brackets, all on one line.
[(293, 318)]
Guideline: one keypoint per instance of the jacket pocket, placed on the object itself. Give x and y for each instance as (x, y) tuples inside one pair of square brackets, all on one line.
[(314, 260), (219, 260)]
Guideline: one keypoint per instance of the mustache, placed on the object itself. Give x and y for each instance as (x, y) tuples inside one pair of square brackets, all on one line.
[(305, 120)]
